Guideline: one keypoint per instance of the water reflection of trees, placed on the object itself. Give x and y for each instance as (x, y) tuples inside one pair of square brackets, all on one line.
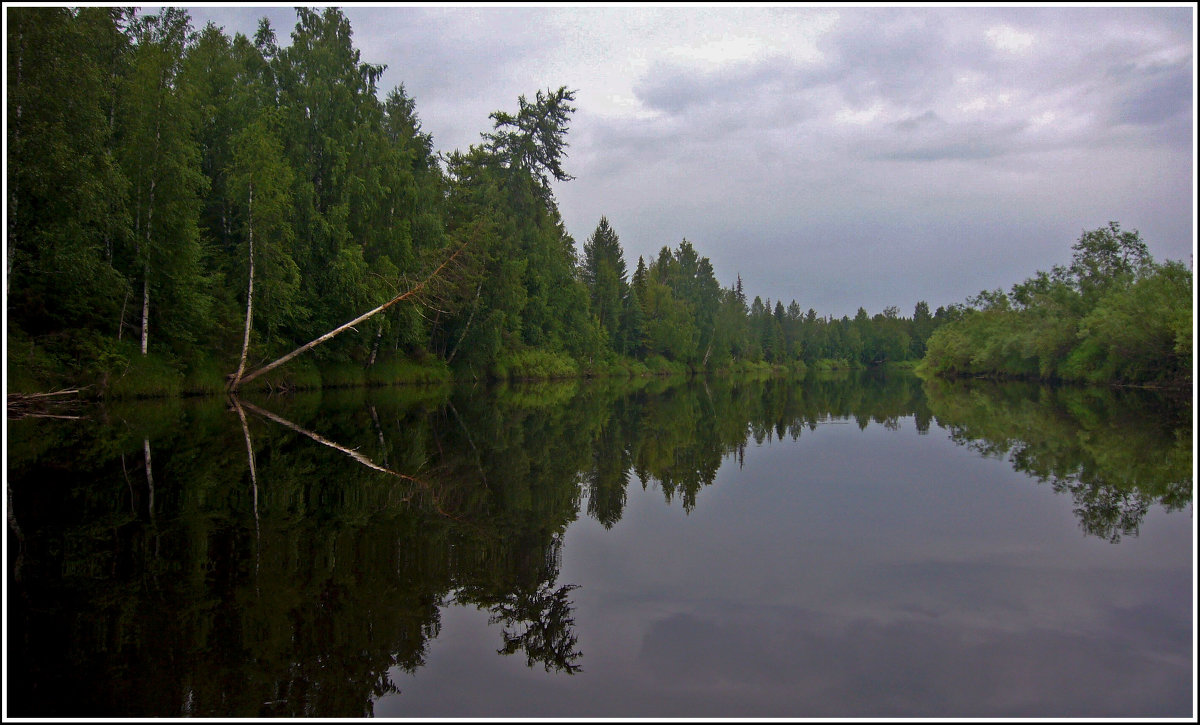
[(177, 562), (1115, 453), (202, 602)]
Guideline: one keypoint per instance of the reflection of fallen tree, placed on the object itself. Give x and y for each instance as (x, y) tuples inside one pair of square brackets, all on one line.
[(535, 617), (420, 485)]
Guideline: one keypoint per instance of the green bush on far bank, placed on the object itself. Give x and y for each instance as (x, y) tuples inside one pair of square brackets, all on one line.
[(825, 365), (659, 365), (144, 376), (534, 365), (1113, 316), (615, 367), (299, 374), (398, 370)]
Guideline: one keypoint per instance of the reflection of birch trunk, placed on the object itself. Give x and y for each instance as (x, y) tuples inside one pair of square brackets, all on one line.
[(149, 474), (410, 294), (379, 432), (12, 524), (250, 456), (467, 433), (254, 487), (150, 488), (132, 495)]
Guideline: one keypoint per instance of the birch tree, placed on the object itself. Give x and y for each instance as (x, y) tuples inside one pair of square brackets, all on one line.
[(162, 161), (259, 189)]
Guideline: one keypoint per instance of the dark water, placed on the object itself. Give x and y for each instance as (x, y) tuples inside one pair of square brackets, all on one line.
[(862, 546)]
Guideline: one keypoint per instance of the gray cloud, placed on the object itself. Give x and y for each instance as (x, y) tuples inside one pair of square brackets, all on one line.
[(936, 140), (1156, 96), (674, 89)]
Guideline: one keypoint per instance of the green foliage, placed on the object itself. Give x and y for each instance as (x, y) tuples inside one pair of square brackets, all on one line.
[(668, 327), (659, 365), (1114, 316), (338, 374), (259, 200), (66, 215), (533, 141), (204, 376), (144, 376), (161, 158), (829, 364), (534, 365), (300, 374), (603, 272), (397, 370)]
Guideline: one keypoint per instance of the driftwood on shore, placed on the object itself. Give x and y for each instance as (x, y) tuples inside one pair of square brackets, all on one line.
[(55, 404)]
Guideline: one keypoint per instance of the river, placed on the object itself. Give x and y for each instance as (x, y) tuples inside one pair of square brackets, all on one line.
[(856, 545)]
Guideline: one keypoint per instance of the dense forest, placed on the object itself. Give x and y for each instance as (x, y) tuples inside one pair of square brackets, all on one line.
[(185, 206), (1114, 315)]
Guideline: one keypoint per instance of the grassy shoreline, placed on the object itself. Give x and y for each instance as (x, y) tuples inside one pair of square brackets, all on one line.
[(134, 376), (149, 377)]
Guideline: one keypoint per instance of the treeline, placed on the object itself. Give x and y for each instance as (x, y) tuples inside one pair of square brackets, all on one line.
[(184, 203), (1114, 315), (674, 309)]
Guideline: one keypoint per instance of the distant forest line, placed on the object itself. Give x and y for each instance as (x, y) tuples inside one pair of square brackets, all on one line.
[(185, 206)]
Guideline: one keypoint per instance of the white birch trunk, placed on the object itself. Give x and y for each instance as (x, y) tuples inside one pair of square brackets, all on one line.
[(146, 308), (146, 274), (149, 232), (237, 377)]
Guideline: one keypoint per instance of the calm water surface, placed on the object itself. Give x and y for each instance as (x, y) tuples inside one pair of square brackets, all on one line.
[(865, 546)]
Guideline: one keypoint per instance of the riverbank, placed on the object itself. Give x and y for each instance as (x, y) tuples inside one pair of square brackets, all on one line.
[(1173, 387), (135, 376)]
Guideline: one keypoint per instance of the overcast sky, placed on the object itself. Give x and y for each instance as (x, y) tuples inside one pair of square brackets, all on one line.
[(839, 156)]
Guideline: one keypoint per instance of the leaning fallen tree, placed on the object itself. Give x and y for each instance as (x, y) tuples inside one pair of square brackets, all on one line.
[(422, 289)]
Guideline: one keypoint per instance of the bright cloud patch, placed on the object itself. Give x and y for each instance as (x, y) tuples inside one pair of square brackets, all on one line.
[(1008, 38), (719, 52), (859, 117)]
